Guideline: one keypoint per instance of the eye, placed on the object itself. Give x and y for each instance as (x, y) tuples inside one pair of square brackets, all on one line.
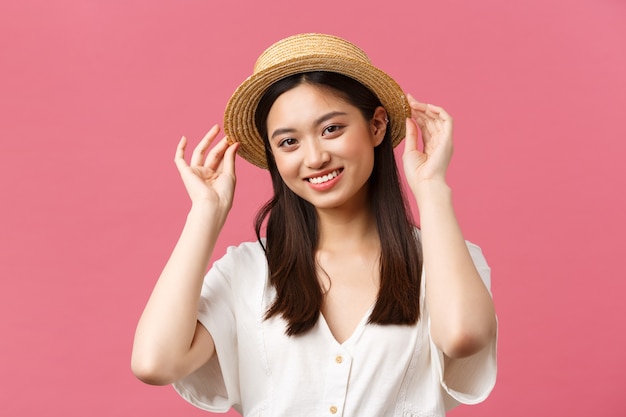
[(287, 143), (331, 129)]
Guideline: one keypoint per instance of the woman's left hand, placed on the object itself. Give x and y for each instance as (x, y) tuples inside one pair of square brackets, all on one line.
[(429, 164)]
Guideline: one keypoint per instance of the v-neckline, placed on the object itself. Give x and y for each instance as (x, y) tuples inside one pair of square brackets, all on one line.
[(356, 333)]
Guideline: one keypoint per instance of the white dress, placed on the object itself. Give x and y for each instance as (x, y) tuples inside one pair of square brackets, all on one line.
[(380, 371)]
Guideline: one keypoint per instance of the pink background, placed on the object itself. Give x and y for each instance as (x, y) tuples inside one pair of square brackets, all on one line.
[(94, 96)]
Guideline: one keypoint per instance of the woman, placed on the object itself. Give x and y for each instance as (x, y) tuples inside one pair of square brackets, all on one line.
[(345, 308)]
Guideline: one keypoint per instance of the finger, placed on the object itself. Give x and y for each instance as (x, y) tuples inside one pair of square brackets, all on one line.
[(430, 112), (441, 121), (427, 109), (423, 110), (416, 106), (411, 98), (180, 151), (443, 115), (428, 118), (426, 126), (215, 157), (433, 123), (421, 119), (229, 158), (439, 113), (197, 157), (435, 109)]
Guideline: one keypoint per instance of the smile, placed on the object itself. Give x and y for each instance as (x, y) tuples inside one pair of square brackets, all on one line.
[(324, 178)]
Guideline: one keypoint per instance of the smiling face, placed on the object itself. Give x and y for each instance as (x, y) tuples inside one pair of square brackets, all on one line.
[(323, 146)]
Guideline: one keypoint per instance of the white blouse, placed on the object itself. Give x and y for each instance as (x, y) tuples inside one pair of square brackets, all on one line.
[(389, 370)]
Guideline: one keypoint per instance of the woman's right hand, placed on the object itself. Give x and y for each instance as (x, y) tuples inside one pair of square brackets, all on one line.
[(169, 341), (209, 177)]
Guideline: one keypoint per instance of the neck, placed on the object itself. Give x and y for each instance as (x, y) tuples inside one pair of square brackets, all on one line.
[(345, 230)]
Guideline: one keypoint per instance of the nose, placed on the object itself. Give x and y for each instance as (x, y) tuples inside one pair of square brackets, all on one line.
[(316, 156)]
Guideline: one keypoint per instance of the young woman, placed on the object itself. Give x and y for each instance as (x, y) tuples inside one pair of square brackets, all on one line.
[(345, 308)]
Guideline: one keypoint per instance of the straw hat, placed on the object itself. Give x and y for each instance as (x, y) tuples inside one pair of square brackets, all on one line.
[(304, 53)]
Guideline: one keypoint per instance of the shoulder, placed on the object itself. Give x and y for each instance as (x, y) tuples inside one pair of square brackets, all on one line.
[(238, 275), (241, 260), (246, 250)]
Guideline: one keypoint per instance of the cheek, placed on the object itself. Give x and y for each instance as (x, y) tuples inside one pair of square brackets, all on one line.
[(361, 149), (286, 164), (289, 172), (365, 158)]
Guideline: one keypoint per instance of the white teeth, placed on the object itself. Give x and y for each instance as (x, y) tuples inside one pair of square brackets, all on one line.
[(324, 178)]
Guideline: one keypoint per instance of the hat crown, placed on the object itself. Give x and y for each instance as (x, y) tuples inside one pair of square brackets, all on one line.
[(309, 44)]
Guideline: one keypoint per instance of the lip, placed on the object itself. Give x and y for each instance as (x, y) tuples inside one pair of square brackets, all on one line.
[(327, 184)]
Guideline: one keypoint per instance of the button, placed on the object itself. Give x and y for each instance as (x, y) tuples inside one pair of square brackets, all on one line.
[(333, 410), (339, 359)]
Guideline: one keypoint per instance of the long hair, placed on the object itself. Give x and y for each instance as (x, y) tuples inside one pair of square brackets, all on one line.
[(292, 231)]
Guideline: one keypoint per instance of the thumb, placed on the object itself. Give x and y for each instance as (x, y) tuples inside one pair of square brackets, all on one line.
[(229, 158), (410, 142)]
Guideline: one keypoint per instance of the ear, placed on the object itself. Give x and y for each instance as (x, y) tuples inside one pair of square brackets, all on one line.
[(378, 124)]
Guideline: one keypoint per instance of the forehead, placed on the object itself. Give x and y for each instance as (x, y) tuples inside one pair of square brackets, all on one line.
[(307, 101)]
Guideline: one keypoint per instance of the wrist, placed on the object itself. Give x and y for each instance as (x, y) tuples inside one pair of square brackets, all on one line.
[(431, 190), (208, 213)]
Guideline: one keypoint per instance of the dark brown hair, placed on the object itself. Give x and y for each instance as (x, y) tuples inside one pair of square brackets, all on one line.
[(292, 232)]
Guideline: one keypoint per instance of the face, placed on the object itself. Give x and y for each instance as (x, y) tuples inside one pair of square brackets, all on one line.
[(323, 146)]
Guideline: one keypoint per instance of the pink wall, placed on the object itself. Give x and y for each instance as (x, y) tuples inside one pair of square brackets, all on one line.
[(94, 96)]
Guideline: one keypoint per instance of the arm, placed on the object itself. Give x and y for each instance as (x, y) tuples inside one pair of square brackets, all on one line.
[(169, 342), (460, 306)]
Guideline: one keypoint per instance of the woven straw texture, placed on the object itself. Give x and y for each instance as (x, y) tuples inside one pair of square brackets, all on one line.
[(303, 53)]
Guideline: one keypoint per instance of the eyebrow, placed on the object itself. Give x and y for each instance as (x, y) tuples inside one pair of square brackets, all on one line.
[(317, 122)]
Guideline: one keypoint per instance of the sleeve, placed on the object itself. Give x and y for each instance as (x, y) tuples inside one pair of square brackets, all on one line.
[(467, 380), (215, 386)]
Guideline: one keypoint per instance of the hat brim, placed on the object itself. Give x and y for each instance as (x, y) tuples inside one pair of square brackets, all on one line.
[(240, 111)]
